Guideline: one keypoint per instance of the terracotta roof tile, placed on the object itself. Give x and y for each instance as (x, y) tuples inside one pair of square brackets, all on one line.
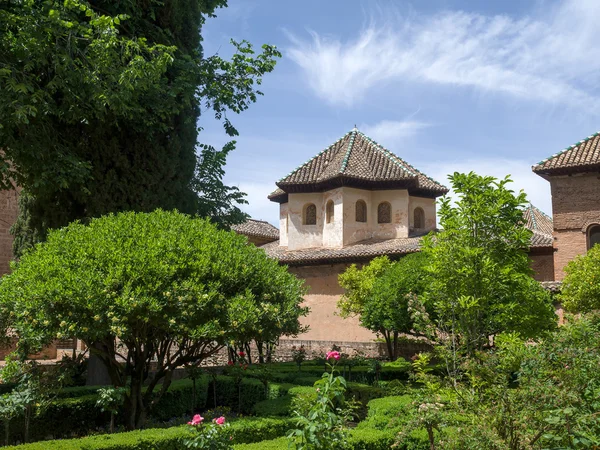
[(258, 228), (366, 249), (580, 157), (356, 159), (536, 220), (552, 286)]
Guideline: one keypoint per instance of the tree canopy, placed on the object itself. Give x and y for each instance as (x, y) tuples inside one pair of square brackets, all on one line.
[(142, 288), (481, 281), (100, 109), (378, 294), (580, 291)]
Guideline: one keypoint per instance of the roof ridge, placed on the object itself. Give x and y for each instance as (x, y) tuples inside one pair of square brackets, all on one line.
[(570, 147), (540, 211), (347, 155), (535, 227), (406, 165), (311, 159)]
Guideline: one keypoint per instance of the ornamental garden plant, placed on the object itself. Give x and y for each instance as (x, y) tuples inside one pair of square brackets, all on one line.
[(141, 289)]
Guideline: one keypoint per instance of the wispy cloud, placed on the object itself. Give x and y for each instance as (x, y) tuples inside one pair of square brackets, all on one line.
[(553, 57), (536, 188), (390, 131)]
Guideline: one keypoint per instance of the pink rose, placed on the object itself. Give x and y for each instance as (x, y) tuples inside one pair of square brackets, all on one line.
[(242, 354), (220, 420), (230, 363), (333, 354), (196, 420)]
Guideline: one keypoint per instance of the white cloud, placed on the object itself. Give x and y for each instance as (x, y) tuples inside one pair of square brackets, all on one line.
[(554, 57), (536, 188), (390, 131)]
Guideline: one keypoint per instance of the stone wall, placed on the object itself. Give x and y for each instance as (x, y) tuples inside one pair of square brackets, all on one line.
[(575, 206)]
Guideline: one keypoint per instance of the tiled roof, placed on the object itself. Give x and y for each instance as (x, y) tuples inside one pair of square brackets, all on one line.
[(258, 228), (552, 286), (356, 160), (540, 224), (537, 220), (579, 157), (541, 240), (366, 249)]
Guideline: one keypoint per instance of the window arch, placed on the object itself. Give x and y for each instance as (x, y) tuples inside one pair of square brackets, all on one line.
[(384, 213), (419, 218), (310, 214), (329, 211), (361, 211), (593, 236)]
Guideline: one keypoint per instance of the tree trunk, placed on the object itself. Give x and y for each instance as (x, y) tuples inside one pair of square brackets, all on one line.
[(6, 432), (112, 422), (27, 416), (135, 411), (261, 356), (431, 437), (388, 343), (395, 346)]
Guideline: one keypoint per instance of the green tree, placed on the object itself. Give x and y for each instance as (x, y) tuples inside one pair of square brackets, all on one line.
[(156, 289), (358, 284), (100, 107), (481, 282), (580, 291), (378, 294)]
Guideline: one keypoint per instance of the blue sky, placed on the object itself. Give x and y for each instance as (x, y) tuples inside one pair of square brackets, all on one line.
[(492, 86)]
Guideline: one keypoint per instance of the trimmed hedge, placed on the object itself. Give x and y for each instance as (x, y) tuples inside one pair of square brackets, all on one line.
[(67, 417), (228, 393), (243, 431)]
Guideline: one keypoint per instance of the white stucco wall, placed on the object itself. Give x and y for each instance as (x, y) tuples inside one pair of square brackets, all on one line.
[(305, 236), (344, 230), (283, 224), (333, 233), (399, 202), (428, 205)]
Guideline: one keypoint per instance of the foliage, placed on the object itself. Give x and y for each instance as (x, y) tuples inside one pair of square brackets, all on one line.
[(212, 436), (110, 400), (580, 290), (112, 93), (298, 355), (378, 292), (358, 285), (481, 281), (323, 424), (243, 431), (153, 283)]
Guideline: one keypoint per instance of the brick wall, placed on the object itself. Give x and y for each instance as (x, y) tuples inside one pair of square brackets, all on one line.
[(542, 263), (575, 205)]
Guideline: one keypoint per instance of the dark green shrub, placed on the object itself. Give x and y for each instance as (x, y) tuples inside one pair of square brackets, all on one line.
[(276, 407), (243, 431), (244, 396)]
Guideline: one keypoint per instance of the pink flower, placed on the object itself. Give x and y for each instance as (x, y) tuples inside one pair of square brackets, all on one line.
[(333, 354), (220, 420), (242, 354), (230, 363), (196, 420)]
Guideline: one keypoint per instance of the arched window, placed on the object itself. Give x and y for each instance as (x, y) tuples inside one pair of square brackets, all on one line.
[(329, 211), (384, 213), (310, 214), (361, 211), (593, 236), (419, 218)]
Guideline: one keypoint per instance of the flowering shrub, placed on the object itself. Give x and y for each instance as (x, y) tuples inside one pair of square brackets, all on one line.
[(299, 355), (212, 436), (323, 424)]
